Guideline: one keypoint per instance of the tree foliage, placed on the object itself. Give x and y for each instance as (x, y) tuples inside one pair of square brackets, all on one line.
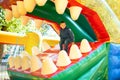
[(15, 24), (2, 18)]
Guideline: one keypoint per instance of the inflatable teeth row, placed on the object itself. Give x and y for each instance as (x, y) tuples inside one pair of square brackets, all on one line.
[(33, 63), (25, 6), (43, 66)]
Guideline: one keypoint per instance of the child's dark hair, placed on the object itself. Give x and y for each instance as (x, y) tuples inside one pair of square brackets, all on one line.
[(62, 22)]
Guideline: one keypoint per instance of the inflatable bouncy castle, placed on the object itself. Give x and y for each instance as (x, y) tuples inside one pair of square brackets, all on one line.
[(87, 59)]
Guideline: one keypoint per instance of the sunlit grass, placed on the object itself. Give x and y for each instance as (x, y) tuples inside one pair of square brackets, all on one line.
[(107, 16)]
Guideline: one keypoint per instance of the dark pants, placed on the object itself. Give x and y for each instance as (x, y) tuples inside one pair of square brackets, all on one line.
[(66, 43)]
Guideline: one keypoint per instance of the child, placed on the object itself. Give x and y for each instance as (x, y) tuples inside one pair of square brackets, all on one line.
[(66, 36)]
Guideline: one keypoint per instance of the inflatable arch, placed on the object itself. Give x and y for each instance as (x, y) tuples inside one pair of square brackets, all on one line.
[(88, 26), (84, 27)]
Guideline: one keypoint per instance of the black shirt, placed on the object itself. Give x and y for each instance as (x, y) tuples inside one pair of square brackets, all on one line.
[(66, 33)]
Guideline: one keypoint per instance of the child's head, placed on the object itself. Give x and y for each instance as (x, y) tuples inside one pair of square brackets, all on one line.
[(62, 24)]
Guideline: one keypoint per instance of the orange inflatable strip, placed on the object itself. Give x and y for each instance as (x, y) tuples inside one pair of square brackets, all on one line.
[(11, 38)]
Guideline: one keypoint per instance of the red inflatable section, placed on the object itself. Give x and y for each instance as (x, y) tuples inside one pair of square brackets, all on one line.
[(94, 21)]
